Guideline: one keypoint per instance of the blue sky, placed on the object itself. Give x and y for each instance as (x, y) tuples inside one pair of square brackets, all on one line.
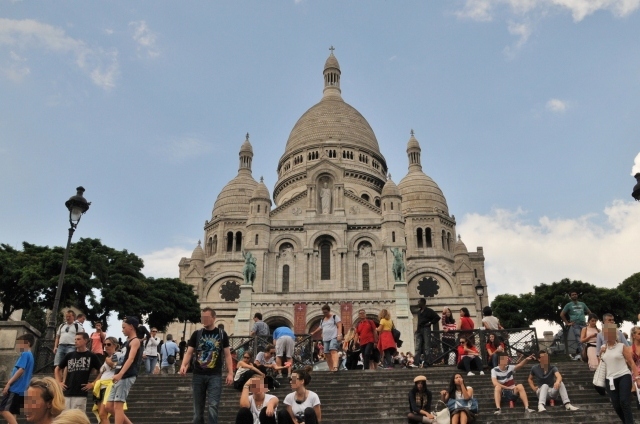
[(526, 110)]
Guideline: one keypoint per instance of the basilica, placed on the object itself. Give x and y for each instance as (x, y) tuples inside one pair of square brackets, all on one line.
[(327, 231)]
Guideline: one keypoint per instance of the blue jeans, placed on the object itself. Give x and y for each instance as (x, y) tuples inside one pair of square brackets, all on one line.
[(62, 352), (577, 330), (150, 364), (206, 387), (423, 345)]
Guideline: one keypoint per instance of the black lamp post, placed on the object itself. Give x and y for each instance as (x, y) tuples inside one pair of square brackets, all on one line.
[(480, 293), (77, 206), (636, 189)]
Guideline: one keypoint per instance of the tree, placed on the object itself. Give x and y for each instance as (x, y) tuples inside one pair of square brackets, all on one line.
[(168, 299), (510, 310), (630, 287), (99, 280)]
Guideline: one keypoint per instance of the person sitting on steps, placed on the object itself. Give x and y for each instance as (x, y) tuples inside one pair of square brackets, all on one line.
[(420, 402), (545, 381), (468, 355), (256, 406), (503, 380)]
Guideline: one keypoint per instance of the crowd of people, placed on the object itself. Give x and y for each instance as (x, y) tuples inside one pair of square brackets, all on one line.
[(108, 367)]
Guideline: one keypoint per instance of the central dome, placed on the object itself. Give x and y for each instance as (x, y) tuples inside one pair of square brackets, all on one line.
[(332, 119)]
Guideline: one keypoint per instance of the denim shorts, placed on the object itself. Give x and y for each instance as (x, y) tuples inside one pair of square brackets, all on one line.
[(509, 394), (120, 390), (331, 345)]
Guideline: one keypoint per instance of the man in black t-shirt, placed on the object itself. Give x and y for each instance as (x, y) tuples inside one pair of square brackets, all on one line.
[(73, 373), (426, 318), (206, 346)]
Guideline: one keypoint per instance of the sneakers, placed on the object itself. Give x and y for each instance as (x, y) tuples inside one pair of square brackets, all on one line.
[(541, 408), (576, 358), (570, 407), (498, 411), (529, 410), (470, 373), (481, 372), (276, 384)]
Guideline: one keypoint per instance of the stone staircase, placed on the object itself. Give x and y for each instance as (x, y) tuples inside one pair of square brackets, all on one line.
[(374, 397)]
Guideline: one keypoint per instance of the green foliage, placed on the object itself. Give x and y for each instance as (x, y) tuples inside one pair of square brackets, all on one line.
[(98, 280), (547, 301)]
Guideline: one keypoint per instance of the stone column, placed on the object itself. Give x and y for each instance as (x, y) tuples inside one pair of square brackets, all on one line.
[(404, 317), (242, 321)]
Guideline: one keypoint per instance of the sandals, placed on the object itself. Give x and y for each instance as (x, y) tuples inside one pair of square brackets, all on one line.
[(334, 369)]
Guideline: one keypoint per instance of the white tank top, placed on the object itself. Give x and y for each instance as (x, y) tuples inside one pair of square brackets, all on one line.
[(616, 364)]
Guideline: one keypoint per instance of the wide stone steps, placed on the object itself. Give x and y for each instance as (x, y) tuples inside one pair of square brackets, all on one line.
[(374, 397)]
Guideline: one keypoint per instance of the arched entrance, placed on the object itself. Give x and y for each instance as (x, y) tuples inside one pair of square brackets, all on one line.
[(275, 322)]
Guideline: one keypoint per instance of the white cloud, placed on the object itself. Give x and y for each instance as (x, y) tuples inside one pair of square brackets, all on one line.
[(557, 106), (520, 30), (20, 35), (177, 150), (15, 70), (520, 254), (145, 38), (476, 10), (164, 263), (484, 10), (636, 166)]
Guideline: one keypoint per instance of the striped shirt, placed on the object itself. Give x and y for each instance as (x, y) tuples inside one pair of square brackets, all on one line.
[(504, 377)]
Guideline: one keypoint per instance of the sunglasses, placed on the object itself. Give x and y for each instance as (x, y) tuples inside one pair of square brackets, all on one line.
[(462, 342), (108, 344)]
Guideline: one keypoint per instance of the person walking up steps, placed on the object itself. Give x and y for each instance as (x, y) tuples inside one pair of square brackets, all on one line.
[(331, 328)]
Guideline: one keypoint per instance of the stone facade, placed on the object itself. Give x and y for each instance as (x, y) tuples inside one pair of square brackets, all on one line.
[(327, 235)]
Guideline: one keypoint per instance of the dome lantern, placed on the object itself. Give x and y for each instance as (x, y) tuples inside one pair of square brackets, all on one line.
[(246, 155), (331, 76)]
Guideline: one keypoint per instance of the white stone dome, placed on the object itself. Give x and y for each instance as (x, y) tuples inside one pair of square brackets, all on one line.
[(198, 253), (234, 198)]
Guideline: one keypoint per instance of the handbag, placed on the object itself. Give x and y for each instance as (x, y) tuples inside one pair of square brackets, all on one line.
[(441, 413), (396, 335), (599, 377), (463, 404), (583, 354)]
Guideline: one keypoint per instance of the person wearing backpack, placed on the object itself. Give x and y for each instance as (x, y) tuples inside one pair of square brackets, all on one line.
[(66, 336), (367, 336), (168, 353), (207, 347), (331, 327)]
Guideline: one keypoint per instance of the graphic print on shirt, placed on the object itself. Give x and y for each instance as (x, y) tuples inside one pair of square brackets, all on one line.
[(209, 348)]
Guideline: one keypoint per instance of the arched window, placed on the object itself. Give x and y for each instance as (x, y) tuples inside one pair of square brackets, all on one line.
[(365, 277), (444, 240), (325, 261), (419, 238), (238, 241), (384, 206), (285, 279), (365, 196), (229, 241), (258, 208), (214, 246), (475, 273), (449, 242), (209, 246), (377, 203), (391, 205), (428, 234), (256, 239), (393, 236)]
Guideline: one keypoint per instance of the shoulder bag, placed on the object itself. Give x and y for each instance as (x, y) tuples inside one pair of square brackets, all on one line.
[(441, 413), (599, 377), (396, 335)]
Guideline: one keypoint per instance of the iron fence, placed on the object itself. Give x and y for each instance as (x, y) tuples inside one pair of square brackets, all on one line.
[(302, 353), (518, 342)]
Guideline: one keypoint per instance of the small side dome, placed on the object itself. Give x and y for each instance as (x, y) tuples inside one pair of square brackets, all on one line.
[(198, 253), (460, 248), (234, 198), (390, 188), (261, 192)]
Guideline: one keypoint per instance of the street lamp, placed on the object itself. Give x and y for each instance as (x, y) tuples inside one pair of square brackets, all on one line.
[(77, 206), (480, 293), (636, 189)]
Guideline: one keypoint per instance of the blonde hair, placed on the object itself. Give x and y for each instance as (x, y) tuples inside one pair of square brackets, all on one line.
[(634, 330), (72, 416), (384, 314), (350, 335), (50, 391)]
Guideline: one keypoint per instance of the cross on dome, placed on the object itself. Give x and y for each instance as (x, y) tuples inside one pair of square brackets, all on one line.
[(411, 132), (247, 137), (331, 49)]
